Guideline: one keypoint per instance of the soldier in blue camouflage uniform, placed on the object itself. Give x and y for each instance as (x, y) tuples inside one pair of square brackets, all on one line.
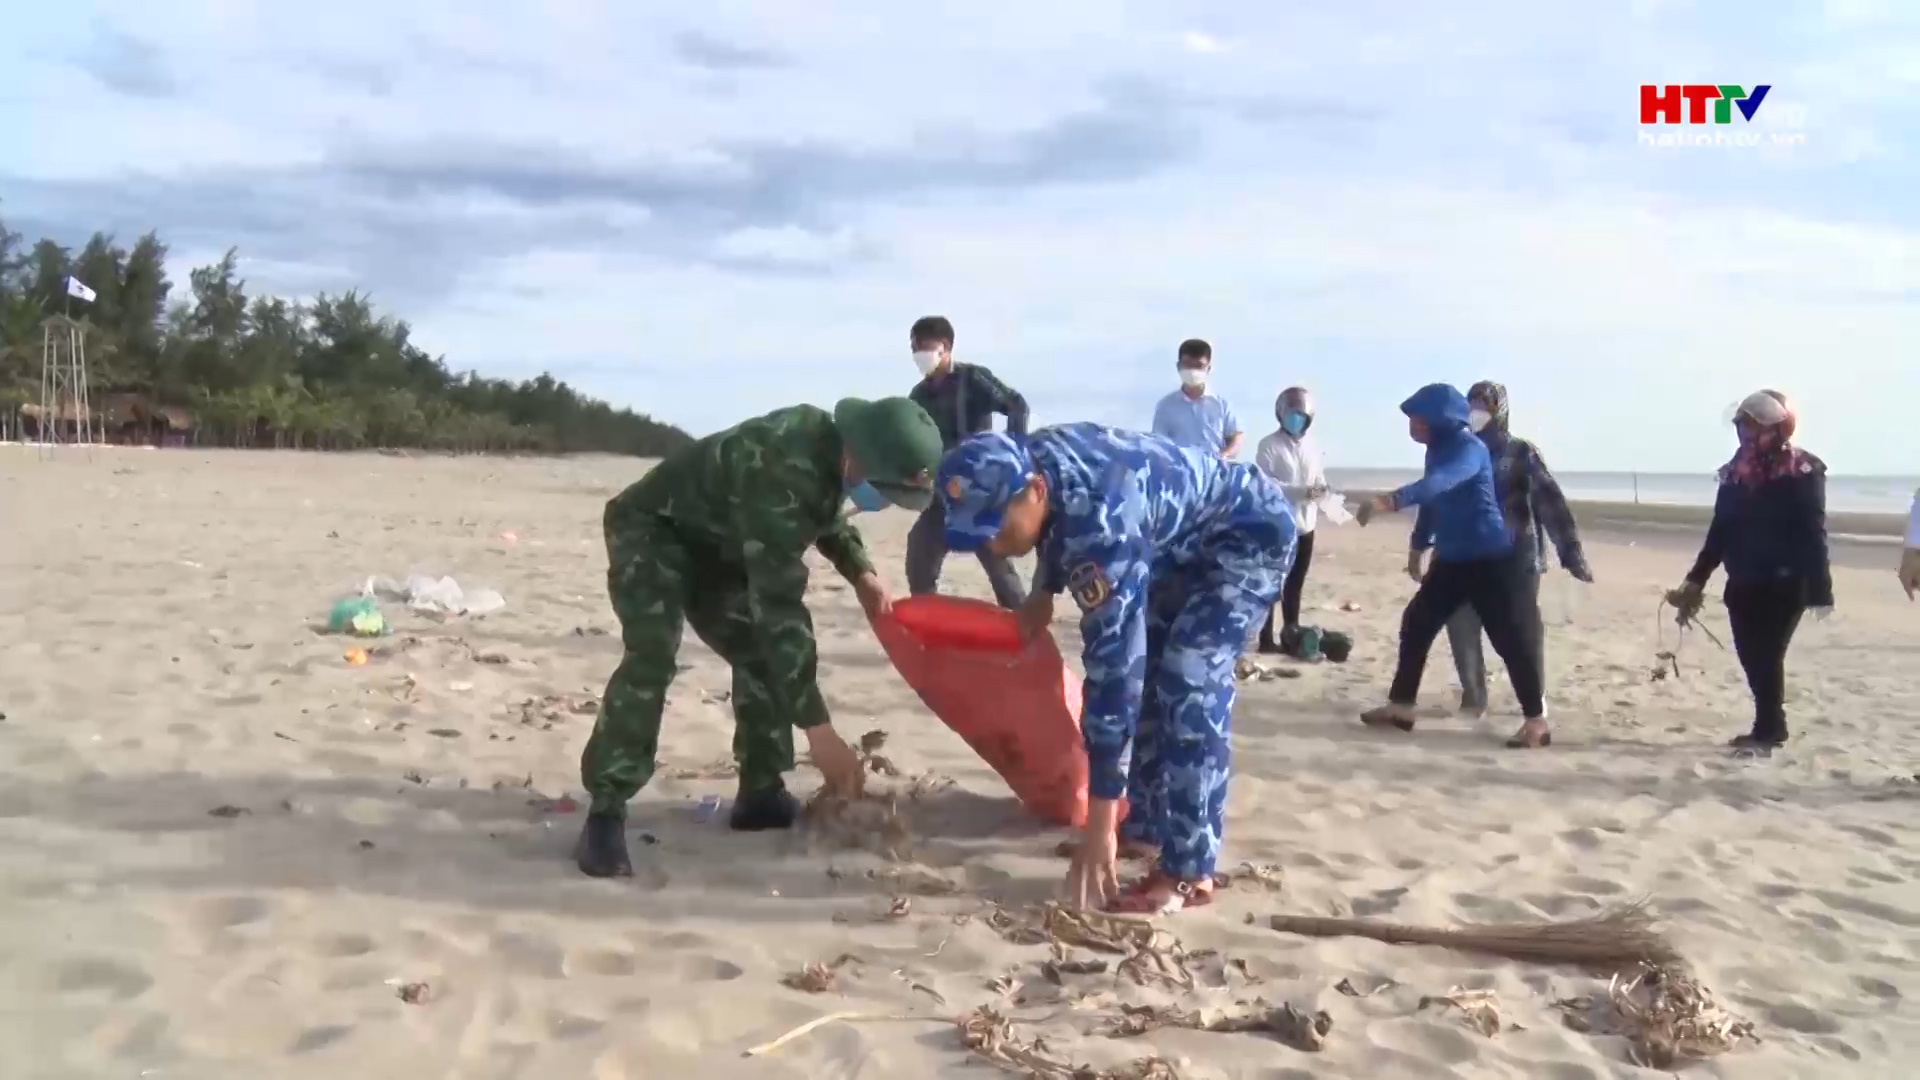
[(1174, 557)]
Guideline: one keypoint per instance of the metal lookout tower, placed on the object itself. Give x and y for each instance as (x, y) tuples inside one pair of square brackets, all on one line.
[(66, 413)]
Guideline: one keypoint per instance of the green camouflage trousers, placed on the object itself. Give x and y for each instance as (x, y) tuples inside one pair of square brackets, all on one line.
[(658, 582)]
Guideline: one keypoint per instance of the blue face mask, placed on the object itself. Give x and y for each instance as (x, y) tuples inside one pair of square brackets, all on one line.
[(1295, 424), (866, 498)]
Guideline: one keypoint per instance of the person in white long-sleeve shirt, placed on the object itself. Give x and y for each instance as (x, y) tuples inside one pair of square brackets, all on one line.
[(1291, 457), (1910, 558)]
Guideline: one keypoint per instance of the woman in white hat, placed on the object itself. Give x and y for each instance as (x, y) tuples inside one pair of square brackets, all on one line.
[(1770, 533)]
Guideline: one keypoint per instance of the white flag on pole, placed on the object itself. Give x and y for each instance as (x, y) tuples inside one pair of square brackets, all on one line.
[(78, 291)]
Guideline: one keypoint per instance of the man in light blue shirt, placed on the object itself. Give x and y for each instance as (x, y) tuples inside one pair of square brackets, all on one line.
[(1192, 417)]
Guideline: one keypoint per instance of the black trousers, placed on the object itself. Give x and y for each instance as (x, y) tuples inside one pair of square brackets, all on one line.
[(1492, 588), (1290, 592), (1764, 615), (1463, 634), (927, 554)]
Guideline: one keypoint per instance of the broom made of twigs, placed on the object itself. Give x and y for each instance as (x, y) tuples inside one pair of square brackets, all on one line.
[(1619, 938)]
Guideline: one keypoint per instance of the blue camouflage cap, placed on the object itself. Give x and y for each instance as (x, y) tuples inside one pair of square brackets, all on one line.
[(976, 482)]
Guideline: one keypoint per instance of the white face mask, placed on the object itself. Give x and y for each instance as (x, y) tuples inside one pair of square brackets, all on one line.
[(1192, 377), (1478, 418), (927, 360)]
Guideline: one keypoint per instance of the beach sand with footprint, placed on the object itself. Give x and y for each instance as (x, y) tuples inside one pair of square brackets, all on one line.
[(228, 852)]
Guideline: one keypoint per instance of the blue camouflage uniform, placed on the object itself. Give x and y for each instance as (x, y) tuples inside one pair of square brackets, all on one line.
[(1174, 557)]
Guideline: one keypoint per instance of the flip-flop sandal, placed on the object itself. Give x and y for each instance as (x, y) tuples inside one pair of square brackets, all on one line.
[(1519, 742), (1139, 899)]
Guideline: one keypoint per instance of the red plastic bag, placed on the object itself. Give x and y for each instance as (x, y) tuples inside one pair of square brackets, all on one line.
[(1017, 706)]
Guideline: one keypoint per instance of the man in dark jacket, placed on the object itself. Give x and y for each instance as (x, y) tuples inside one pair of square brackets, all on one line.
[(1472, 560), (962, 399)]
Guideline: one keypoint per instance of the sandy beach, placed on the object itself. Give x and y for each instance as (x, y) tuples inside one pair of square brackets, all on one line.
[(231, 853)]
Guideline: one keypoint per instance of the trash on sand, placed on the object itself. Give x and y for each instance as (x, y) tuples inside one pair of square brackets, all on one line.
[(1249, 670), (359, 615), (1479, 1009), (1668, 1017), (435, 596), (356, 657), (818, 978), (1304, 1031), (708, 809)]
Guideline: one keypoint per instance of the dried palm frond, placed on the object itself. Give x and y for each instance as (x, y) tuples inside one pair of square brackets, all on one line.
[(1100, 931), (1284, 1022), (990, 1036), (1152, 957), (1616, 939), (1479, 1008), (1666, 1015)]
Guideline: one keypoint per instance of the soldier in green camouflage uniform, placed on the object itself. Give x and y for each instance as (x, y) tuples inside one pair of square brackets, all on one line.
[(716, 537)]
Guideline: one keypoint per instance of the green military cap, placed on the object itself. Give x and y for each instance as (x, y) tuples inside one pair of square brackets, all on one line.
[(897, 445)]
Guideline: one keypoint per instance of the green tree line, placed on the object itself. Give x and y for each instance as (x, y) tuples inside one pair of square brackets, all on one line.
[(221, 367)]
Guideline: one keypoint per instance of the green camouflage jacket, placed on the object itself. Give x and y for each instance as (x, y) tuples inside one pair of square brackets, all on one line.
[(762, 493)]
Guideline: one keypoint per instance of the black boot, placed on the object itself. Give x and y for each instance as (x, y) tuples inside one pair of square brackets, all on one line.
[(763, 809), (602, 850), (1760, 743)]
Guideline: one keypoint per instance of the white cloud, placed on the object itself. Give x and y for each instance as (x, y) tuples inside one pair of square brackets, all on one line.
[(1362, 198), (1196, 42)]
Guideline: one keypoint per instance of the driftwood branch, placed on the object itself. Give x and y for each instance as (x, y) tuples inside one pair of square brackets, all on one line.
[(1621, 938)]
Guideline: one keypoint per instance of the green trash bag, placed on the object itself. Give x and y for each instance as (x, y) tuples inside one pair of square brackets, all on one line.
[(357, 615), (1336, 645)]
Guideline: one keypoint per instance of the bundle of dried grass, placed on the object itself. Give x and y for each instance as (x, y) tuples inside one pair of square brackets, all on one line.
[(1667, 1017), (1616, 939), (1289, 1025), (990, 1037)]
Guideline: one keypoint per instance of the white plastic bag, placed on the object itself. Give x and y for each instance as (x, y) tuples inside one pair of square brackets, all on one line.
[(1333, 507), (435, 596)]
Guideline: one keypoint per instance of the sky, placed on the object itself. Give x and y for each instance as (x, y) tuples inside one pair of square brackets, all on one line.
[(707, 214)]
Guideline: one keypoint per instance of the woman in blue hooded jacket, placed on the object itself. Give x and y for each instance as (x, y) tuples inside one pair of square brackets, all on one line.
[(1472, 561)]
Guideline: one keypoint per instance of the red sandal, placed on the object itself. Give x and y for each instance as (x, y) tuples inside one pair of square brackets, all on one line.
[(1139, 898)]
